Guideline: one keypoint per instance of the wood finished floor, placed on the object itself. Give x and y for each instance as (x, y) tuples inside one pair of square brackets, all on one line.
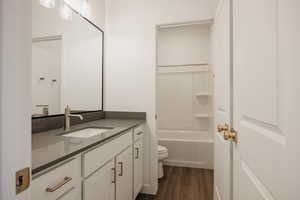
[(184, 184)]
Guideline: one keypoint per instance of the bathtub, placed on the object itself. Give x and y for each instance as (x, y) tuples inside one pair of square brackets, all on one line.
[(188, 148)]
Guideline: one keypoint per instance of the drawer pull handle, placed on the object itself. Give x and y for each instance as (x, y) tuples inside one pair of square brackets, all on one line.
[(121, 165), (54, 188)]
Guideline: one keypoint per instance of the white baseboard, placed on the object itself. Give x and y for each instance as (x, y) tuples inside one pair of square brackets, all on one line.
[(191, 164)]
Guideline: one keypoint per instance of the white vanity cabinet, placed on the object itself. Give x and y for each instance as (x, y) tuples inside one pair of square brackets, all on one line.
[(101, 184), (63, 182), (138, 160), (110, 171)]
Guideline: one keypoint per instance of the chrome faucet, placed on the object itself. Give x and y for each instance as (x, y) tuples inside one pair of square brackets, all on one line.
[(68, 115)]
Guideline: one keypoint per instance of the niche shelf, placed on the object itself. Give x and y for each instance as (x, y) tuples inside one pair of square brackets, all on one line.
[(203, 94), (182, 69), (203, 116)]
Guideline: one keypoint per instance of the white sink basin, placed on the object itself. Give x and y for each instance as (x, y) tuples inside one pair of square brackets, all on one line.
[(87, 133)]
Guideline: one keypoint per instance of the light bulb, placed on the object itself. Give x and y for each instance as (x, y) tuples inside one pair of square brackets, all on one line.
[(48, 3), (84, 7)]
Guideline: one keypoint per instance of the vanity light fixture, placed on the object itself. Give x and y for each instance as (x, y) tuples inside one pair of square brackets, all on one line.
[(48, 3), (84, 7)]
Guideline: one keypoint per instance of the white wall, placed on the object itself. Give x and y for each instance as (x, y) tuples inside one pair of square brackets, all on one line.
[(15, 94), (183, 45), (131, 58)]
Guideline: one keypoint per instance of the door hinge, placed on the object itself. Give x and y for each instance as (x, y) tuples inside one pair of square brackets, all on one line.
[(22, 180)]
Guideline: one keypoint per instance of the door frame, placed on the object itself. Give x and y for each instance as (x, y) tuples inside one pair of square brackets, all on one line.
[(15, 98), (231, 93), (231, 61), (235, 151)]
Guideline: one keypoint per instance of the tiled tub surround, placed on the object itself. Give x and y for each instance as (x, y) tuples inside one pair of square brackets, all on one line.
[(50, 147)]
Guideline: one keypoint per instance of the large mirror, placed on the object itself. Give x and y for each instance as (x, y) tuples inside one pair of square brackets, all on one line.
[(67, 60)]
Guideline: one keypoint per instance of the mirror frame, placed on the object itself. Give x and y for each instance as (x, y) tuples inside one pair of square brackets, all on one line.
[(102, 65)]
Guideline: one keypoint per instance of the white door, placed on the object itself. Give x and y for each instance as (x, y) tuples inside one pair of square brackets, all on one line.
[(138, 167), (266, 99), (15, 97), (101, 184), (124, 176), (221, 59)]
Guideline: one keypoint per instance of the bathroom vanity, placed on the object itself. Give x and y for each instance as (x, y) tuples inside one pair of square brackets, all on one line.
[(106, 166)]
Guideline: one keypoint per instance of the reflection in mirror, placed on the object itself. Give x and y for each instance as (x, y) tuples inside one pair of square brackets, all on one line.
[(67, 56)]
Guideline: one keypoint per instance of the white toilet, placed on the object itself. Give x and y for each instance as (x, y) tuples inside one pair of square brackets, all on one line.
[(162, 153)]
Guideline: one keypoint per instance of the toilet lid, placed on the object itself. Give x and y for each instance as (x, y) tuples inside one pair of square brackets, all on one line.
[(161, 149)]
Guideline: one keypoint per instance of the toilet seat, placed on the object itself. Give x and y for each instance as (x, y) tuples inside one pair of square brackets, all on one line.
[(162, 152), (162, 149)]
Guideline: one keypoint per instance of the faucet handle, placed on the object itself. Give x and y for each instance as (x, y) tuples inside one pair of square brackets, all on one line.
[(67, 110)]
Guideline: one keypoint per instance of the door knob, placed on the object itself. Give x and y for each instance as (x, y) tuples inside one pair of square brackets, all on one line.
[(230, 134), (222, 128)]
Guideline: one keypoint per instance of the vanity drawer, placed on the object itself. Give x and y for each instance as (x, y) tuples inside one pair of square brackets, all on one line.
[(138, 132), (96, 158), (59, 182)]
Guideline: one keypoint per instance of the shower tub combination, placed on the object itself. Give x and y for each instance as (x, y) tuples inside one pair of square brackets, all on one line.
[(187, 149), (185, 94)]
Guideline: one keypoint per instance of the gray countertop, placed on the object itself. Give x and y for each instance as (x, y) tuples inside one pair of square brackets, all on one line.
[(50, 148)]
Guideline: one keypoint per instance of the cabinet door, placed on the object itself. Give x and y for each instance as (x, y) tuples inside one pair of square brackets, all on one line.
[(101, 184), (138, 167), (124, 186)]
